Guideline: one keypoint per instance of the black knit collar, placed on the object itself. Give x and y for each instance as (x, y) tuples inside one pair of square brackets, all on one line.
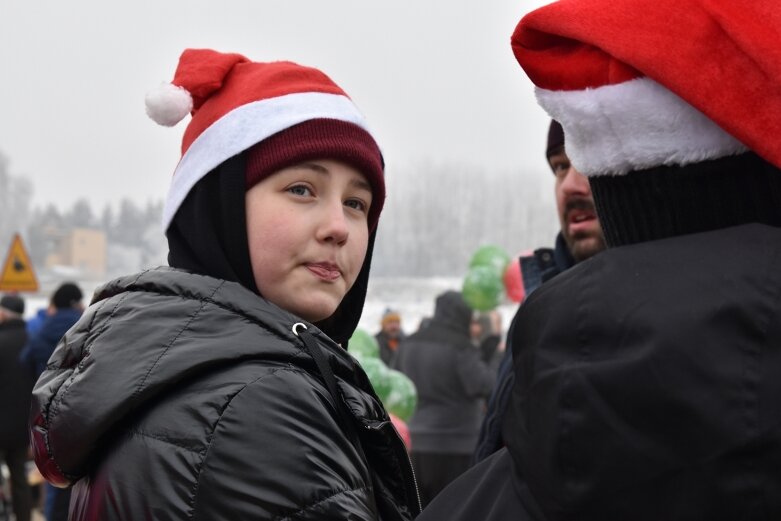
[(667, 201)]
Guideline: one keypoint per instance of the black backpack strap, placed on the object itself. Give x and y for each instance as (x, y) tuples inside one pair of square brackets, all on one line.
[(346, 416)]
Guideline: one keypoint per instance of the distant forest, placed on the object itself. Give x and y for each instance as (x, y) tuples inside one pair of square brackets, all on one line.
[(435, 217), (132, 231)]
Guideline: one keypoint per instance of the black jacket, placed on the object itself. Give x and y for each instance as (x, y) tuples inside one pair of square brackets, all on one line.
[(451, 378), (179, 396), (647, 388), (15, 386)]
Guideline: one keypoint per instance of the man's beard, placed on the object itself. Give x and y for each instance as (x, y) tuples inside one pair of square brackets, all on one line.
[(586, 243)]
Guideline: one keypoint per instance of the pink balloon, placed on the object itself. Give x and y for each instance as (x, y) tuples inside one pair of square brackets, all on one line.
[(401, 428), (513, 280)]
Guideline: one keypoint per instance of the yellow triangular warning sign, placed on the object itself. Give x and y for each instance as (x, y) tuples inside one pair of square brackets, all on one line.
[(18, 274)]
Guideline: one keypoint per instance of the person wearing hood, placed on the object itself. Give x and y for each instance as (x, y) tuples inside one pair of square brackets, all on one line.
[(647, 379), (453, 378), (220, 387)]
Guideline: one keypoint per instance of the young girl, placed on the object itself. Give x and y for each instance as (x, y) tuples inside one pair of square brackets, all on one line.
[(219, 388)]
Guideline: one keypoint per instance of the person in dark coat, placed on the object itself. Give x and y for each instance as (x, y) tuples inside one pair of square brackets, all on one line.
[(453, 379), (15, 387), (579, 239), (66, 309), (220, 387), (647, 377)]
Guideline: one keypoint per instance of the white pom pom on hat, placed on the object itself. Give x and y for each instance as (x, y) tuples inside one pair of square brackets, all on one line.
[(168, 104)]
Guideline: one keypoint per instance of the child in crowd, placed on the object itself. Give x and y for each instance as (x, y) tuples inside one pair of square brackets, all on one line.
[(220, 387)]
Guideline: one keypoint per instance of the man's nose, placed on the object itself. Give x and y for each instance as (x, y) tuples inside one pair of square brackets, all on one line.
[(576, 183)]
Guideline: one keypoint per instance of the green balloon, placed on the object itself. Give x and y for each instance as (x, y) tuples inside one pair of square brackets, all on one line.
[(363, 344), (403, 397), (377, 372), (483, 288), (490, 255)]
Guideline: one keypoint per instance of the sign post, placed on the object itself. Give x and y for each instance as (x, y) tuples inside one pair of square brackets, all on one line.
[(18, 273)]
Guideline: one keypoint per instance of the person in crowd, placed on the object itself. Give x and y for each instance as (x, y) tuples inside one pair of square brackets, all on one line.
[(453, 380), (647, 378), (220, 387), (485, 331), (35, 322), (65, 310), (580, 237), (15, 387), (389, 336)]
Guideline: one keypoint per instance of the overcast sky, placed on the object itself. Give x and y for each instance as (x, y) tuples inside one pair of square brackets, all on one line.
[(436, 80)]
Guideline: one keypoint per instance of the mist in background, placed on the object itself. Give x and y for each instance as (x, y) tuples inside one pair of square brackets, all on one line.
[(451, 109)]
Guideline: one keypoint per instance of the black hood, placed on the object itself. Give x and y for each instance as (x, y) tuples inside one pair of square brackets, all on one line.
[(208, 236), (452, 312)]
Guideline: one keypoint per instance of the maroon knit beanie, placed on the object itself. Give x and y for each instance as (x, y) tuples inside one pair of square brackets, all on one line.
[(321, 139)]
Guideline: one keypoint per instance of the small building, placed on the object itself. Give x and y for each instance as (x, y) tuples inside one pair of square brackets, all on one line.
[(80, 248)]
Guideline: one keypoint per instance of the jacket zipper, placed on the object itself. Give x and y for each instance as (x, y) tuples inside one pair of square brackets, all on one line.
[(408, 461)]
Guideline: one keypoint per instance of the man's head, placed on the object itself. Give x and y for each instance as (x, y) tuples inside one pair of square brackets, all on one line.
[(11, 306), (391, 323), (575, 206), (667, 152), (67, 296)]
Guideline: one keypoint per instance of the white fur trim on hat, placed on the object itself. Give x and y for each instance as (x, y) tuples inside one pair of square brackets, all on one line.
[(168, 104), (634, 125), (246, 125)]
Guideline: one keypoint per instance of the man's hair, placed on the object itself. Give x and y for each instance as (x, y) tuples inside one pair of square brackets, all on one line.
[(66, 296), (555, 139)]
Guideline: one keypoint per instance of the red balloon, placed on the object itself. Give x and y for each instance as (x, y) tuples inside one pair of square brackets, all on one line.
[(401, 428), (513, 280)]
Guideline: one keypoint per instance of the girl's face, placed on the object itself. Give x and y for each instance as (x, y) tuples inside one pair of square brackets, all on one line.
[(308, 233)]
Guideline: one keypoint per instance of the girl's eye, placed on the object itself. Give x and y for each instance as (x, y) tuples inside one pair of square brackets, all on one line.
[(300, 190), (356, 204)]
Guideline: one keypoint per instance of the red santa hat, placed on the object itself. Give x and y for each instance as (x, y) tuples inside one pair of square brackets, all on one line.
[(643, 83), (236, 104)]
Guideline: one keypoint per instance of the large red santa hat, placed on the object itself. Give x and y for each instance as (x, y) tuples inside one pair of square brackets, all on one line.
[(236, 104), (643, 83)]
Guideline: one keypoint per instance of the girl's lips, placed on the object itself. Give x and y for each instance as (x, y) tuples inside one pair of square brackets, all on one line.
[(324, 271)]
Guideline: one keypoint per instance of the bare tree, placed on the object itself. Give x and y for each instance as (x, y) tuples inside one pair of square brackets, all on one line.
[(437, 215), (15, 199)]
